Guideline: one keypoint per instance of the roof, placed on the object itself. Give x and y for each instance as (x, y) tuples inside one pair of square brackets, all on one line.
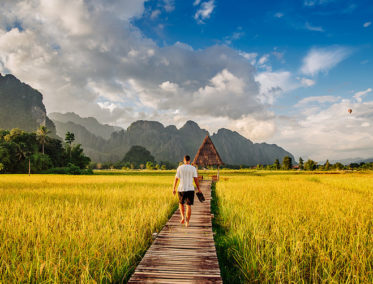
[(207, 154)]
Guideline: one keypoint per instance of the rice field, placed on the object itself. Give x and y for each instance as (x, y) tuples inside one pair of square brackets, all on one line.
[(271, 226), (78, 228), (274, 227)]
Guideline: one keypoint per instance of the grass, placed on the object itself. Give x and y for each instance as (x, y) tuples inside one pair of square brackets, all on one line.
[(78, 228), (295, 227)]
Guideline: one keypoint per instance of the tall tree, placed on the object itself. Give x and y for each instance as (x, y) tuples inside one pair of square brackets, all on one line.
[(310, 165), (276, 164), (301, 165), (287, 163), (42, 134), (327, 165), (69, 138)]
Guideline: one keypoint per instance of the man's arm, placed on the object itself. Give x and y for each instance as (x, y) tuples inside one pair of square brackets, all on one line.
[(175, 184), (197, 183)]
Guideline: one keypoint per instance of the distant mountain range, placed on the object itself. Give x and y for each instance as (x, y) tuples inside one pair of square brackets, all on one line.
[(90, 123), (166, 143), (22, 107), (349, 161)]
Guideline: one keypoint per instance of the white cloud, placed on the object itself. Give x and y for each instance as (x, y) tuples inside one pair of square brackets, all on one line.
[(309, 27), (234, 36), (311, 3), (262, 60), (116, 74), (279, 15), (251, 57), (367, 24), (155, 14), (107, 105), (323, 59), (89, 71), (205, 10), (274, 84), (328, 132), (169, 5), (169, 87), (307, 82), (196, 2), (256, 130), (279, 55), (317, 99), (358, 95)]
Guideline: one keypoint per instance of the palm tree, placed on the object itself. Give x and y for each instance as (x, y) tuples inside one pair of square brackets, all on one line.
[(42, 134), (24, 153)]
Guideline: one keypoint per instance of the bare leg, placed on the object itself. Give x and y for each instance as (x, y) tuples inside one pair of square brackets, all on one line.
[(188, 214), (181, 207)]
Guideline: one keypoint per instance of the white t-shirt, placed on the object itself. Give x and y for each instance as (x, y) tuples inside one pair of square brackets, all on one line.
[(186, 173)]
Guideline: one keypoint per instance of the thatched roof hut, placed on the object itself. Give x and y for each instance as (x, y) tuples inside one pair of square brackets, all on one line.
[(207, 154)]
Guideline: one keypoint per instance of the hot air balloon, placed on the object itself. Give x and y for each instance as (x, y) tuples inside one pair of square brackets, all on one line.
[(349, 110)]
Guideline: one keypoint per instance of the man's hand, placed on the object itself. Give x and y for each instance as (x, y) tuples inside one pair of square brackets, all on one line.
[(175, 184)]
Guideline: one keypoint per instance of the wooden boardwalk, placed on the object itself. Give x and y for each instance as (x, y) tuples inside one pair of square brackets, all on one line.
[(180, 254)]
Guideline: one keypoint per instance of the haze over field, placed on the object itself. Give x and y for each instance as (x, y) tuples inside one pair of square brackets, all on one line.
[(284, 72)]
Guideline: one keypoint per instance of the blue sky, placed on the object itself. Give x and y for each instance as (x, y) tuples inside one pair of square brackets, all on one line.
[(283, 72), (289, 28)]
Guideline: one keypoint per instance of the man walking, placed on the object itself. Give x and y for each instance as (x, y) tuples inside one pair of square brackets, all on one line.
[(186, 173)]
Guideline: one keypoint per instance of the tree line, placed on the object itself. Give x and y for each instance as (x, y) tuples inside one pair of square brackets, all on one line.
[(137, 157), (37, 152), (311, 165)]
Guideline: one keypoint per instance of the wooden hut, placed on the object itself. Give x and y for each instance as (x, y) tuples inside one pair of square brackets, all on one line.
[(207, 155)]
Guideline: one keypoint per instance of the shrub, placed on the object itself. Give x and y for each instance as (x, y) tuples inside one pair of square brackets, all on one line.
[(70, 170)]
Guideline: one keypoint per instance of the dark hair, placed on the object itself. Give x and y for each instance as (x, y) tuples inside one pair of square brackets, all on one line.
[(187, 158)]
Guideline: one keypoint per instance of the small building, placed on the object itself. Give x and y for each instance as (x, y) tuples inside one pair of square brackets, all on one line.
[(207, 155)]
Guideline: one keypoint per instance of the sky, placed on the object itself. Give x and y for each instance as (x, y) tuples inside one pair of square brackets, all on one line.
[(283, 72)]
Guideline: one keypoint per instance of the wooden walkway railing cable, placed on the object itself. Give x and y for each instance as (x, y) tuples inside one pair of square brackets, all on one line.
[(180, 254)]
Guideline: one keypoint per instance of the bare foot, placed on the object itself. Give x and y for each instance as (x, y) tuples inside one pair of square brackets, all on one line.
[(182, 221), (187, 224)]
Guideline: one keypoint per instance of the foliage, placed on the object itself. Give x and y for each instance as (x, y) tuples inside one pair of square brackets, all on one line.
[(42, 134), (327, 165), (138, 155), (287, 163), (40, 162), (310, 165), (17, 147), (69, 138), (149, 166), (338, 166), (77, 157), (301, 165), (276, 164), (78, 229)]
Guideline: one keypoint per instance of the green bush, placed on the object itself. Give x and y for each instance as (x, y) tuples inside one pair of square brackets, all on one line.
[(70, 170)]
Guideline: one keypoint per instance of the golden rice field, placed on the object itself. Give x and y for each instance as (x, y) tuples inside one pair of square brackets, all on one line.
[(274, 227), (271, 226), (78, 228)]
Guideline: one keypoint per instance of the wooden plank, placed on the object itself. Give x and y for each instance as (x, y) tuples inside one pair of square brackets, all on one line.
[(180, 254)]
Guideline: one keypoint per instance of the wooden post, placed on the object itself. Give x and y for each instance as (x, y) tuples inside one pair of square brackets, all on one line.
[(218, 173), (29, 166)]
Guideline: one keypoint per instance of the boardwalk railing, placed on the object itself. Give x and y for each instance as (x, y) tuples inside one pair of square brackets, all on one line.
[(180, 254)]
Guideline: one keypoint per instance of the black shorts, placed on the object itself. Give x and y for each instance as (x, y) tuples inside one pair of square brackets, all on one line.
[(186, 196)]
